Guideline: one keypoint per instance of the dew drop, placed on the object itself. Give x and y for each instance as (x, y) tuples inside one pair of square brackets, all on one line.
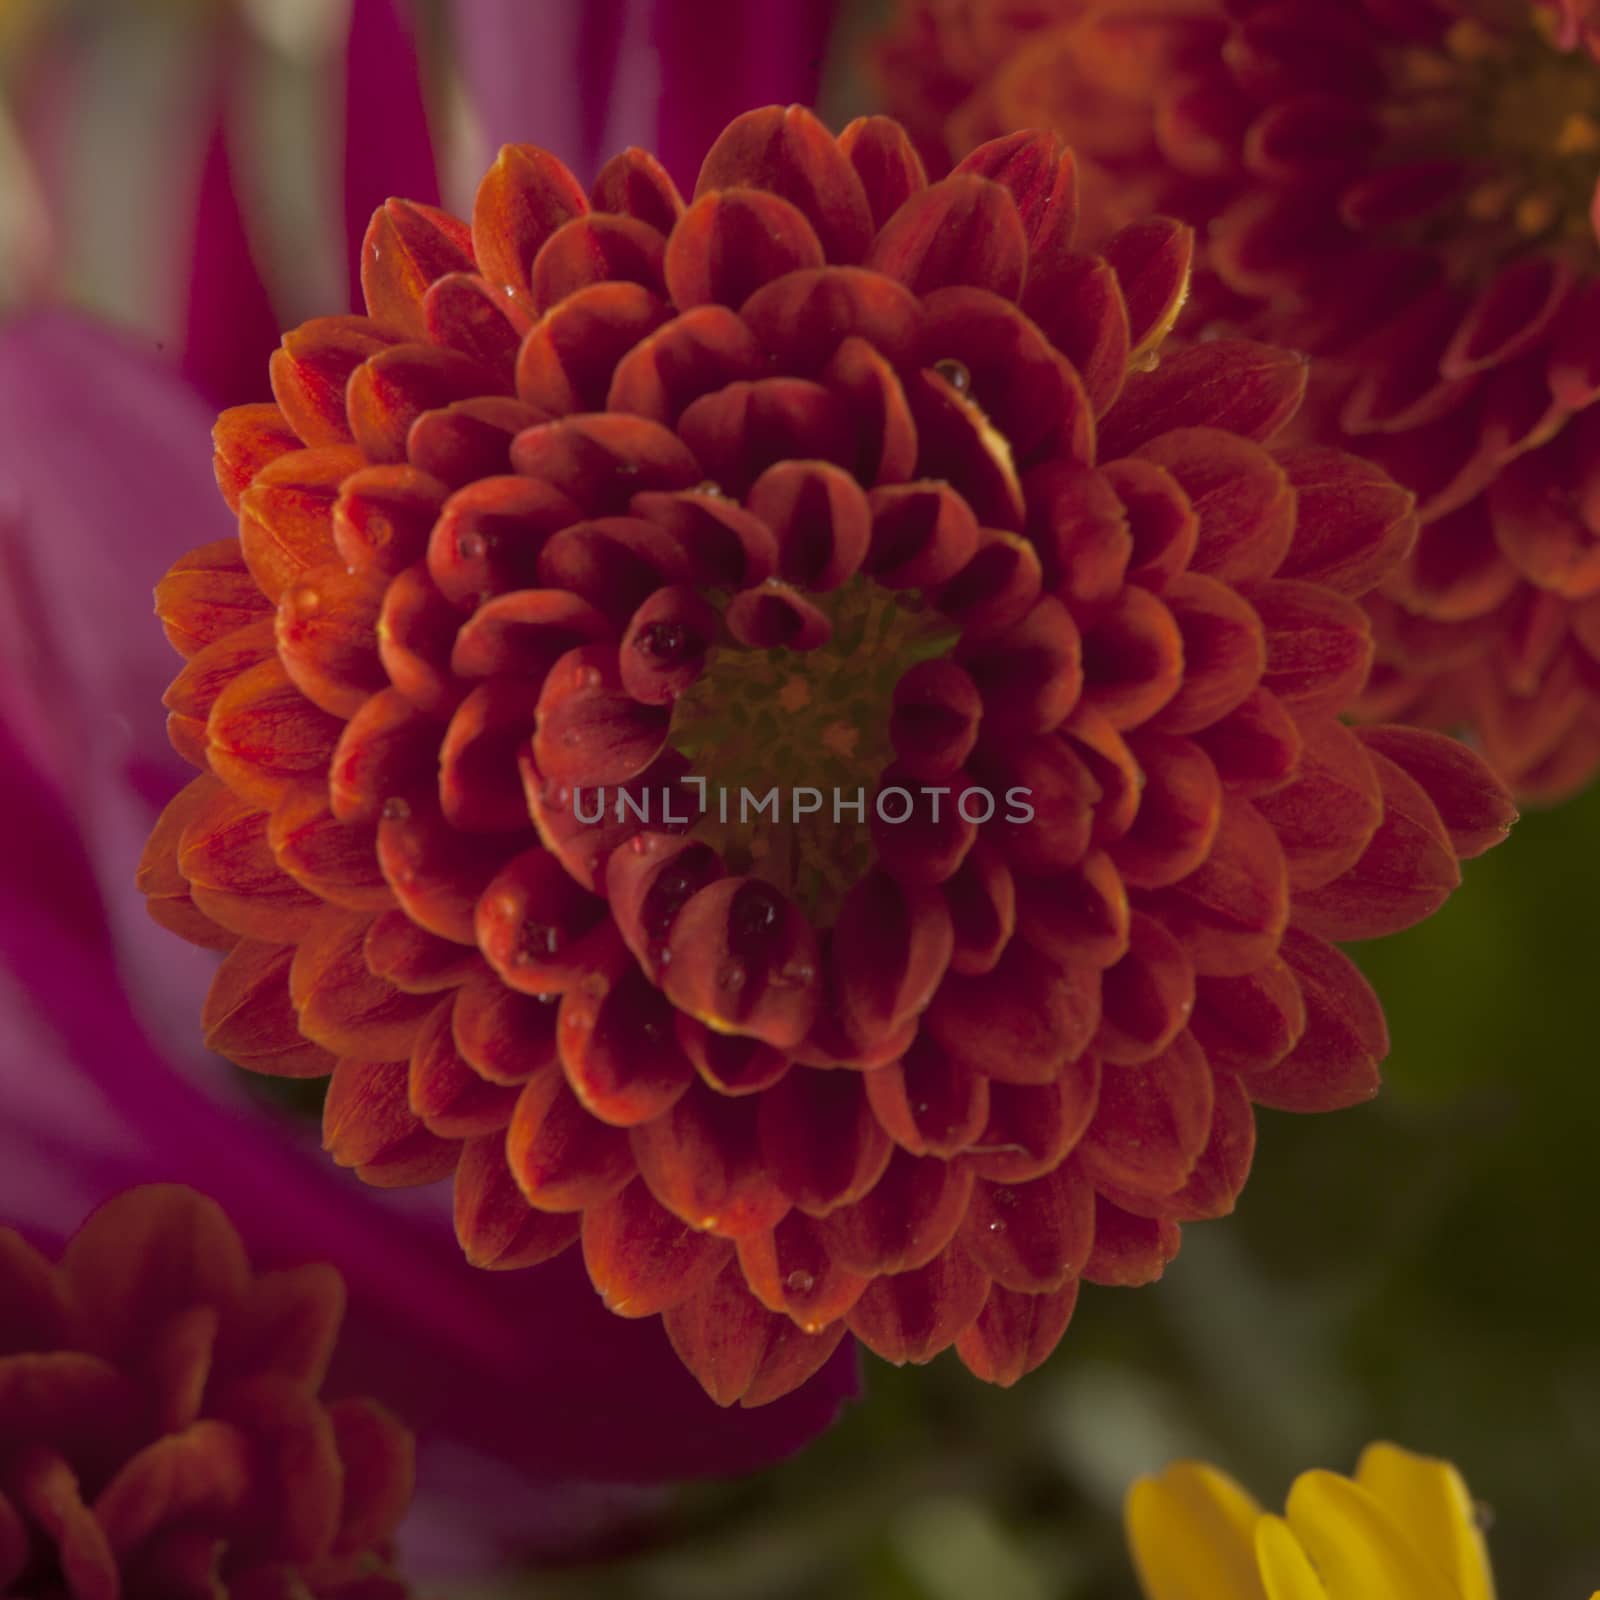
[(997, 1226), (956, 374), (663, 640), (590, 677), (395, 809), (627, 469), (709, 486), (305, 600), (547, 999), (731, 976), (535, 941), (799, 1282), (472, 545)]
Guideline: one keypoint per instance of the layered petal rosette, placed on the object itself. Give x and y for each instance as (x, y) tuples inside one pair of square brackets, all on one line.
[(161, 1432), (1405, 189), (737, 732)]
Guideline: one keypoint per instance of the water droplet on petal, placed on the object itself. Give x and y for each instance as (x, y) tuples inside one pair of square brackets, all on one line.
[(731, 976), (799, 1282), (956, 374), (472, 545), (395, 809)]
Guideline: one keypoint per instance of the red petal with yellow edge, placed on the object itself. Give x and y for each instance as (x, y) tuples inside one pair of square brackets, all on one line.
[(642, 1259), (479, 319), (740, 1351), (1032, 1127), (732, 242), (1151, 260), (929, 1102), (207, 595), (569, 359), (505, 1035), (245, 439), (788, 152), (1405, 874), (312, 368), (383, 518), (803, 318), (1128, 1250), (250, 1019), (819, 1139), (525, 196), (1473, 804), (286, 514), (340, 1004), (327, 637), (562, 1159), (984, 1020), (963, 230), (597, 249), (886, 162), (1240, 495), (915, 1315), (496, 1227), (1015, 1333), (1146, 996), (1230, 912), (1334, 1063), (703, 1161), (1352, 522), (407, 246), (635, 184), (1319, 645), (1152, 1122), (790, 1269), (1032, 1238), (445, 1091), (618, 1046), (910, 1214), (1327, 815), (389, 391)]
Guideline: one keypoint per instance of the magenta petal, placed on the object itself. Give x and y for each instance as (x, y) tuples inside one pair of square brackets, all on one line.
[(105, 479), (230, 327), (387, 148)]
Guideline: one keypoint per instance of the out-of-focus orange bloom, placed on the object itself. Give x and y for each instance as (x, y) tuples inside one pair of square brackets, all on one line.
[(161, 1432), (1404, 189)]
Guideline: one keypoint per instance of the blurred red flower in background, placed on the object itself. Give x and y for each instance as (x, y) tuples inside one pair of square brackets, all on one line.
[(830, 473), (1404, 189), (163, 1431)]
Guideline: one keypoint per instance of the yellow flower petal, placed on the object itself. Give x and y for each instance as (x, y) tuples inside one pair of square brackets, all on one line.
[(1430, 1499), (1191, 1530), (1359, 1550), (1286, 1569)]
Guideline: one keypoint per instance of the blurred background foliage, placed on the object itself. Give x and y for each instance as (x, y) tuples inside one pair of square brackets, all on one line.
[(1423, 1268)]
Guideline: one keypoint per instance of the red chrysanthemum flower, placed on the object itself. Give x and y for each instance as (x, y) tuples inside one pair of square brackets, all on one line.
[(829, 481), (1405, 189), (161, 1435)]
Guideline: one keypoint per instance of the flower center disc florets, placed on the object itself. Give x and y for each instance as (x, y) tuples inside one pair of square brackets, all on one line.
[(787, 745), (1499, 91)]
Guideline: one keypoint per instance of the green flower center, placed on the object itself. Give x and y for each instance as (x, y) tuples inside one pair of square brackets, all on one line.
[(790, 744), (1531, 111)]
